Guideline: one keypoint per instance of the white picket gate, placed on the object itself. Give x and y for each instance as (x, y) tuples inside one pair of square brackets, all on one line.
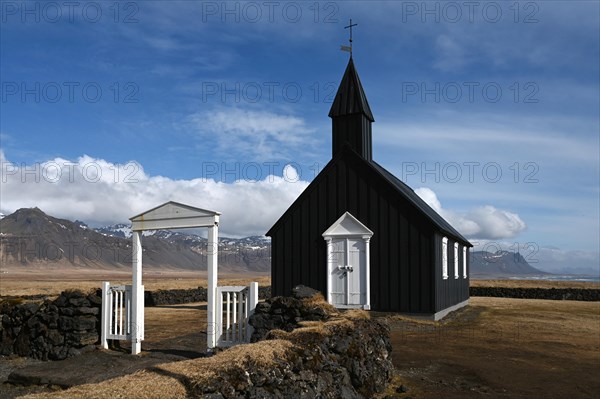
[(234, 306), (117, 321)]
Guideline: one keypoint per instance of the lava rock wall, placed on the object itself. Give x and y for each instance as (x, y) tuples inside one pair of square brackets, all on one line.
[(52, 330), (570, 294), (177, 297)]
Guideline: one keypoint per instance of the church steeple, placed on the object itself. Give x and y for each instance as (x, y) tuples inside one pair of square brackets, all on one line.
[(351, 115)]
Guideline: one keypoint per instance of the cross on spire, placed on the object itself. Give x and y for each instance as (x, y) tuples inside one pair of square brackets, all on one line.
[(349, 48)]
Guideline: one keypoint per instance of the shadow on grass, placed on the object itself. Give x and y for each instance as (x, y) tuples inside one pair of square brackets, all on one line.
[(188, 354), (181, 306)]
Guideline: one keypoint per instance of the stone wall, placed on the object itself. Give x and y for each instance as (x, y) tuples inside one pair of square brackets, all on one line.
[(53, 330), (334, 355), (176, 297), (571, 294), (287, 313)]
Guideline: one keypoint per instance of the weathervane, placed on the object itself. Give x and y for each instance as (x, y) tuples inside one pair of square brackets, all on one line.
[(349, 48)]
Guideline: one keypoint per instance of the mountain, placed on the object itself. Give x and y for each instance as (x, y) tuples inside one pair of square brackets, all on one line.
[(31, 238), (500, 264)]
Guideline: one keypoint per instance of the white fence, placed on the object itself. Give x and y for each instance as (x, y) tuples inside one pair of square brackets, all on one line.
[(234, 306), (117, 321)]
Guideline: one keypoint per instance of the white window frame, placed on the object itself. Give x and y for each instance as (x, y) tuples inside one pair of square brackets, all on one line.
[(464, 261), (445, 258), (455, 260)]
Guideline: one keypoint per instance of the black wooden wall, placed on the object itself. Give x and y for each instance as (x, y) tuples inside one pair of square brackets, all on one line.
[(403, 246), (450, 291)]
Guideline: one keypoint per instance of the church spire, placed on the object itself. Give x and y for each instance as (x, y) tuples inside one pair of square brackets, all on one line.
[(351, 115)]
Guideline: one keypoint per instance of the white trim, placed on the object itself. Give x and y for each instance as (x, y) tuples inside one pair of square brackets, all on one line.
[(443, 313), (431, 316), (329, 260), (137, 295), (455, 260), (212, 267), (464, 261), (445, 258), (347, 226), (367, 239), (172, 215)]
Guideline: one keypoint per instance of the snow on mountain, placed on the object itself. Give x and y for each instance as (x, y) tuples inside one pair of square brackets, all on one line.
[(116, 230), (180, 237), (81, 224)]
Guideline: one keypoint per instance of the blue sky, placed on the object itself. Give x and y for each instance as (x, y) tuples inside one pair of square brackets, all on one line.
[(490, 110)]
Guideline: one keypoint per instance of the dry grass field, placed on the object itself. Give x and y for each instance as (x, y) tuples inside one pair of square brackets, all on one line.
[(495, 347), (38, 282), (533, 284), (502, 347)]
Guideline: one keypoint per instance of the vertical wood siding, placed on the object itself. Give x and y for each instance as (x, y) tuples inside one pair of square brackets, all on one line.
[(405, 248)]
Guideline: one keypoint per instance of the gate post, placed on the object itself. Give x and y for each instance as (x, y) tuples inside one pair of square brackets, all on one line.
[(213, 254), (105, 318), (252, 301), (137, 296)]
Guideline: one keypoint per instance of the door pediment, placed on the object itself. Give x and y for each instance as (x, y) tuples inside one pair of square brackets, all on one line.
[(347, 225)]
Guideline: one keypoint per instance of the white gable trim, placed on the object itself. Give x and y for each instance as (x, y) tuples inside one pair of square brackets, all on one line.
[(347, 225), (173, 215)]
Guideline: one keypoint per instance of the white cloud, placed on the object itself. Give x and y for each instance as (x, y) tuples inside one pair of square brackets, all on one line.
[(100, 192), (484, 222), (450, 54), (257, 134), (540, 138)]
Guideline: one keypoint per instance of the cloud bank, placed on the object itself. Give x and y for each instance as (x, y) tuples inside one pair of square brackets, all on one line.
[(483, 222), (101, 192)]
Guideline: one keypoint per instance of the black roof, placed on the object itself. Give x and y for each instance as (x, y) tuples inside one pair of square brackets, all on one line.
[(396, 184), (350, 97), (417, 201)]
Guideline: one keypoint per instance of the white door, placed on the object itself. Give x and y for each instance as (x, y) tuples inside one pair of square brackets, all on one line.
[(347, 268)]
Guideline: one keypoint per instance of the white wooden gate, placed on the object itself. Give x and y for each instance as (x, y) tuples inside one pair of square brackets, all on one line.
[(234, 306), (117, 322)]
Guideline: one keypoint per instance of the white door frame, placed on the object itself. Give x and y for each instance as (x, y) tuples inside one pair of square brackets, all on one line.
[(347, 227)]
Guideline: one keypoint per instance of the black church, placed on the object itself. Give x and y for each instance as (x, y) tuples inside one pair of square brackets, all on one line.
[(363, 237)]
